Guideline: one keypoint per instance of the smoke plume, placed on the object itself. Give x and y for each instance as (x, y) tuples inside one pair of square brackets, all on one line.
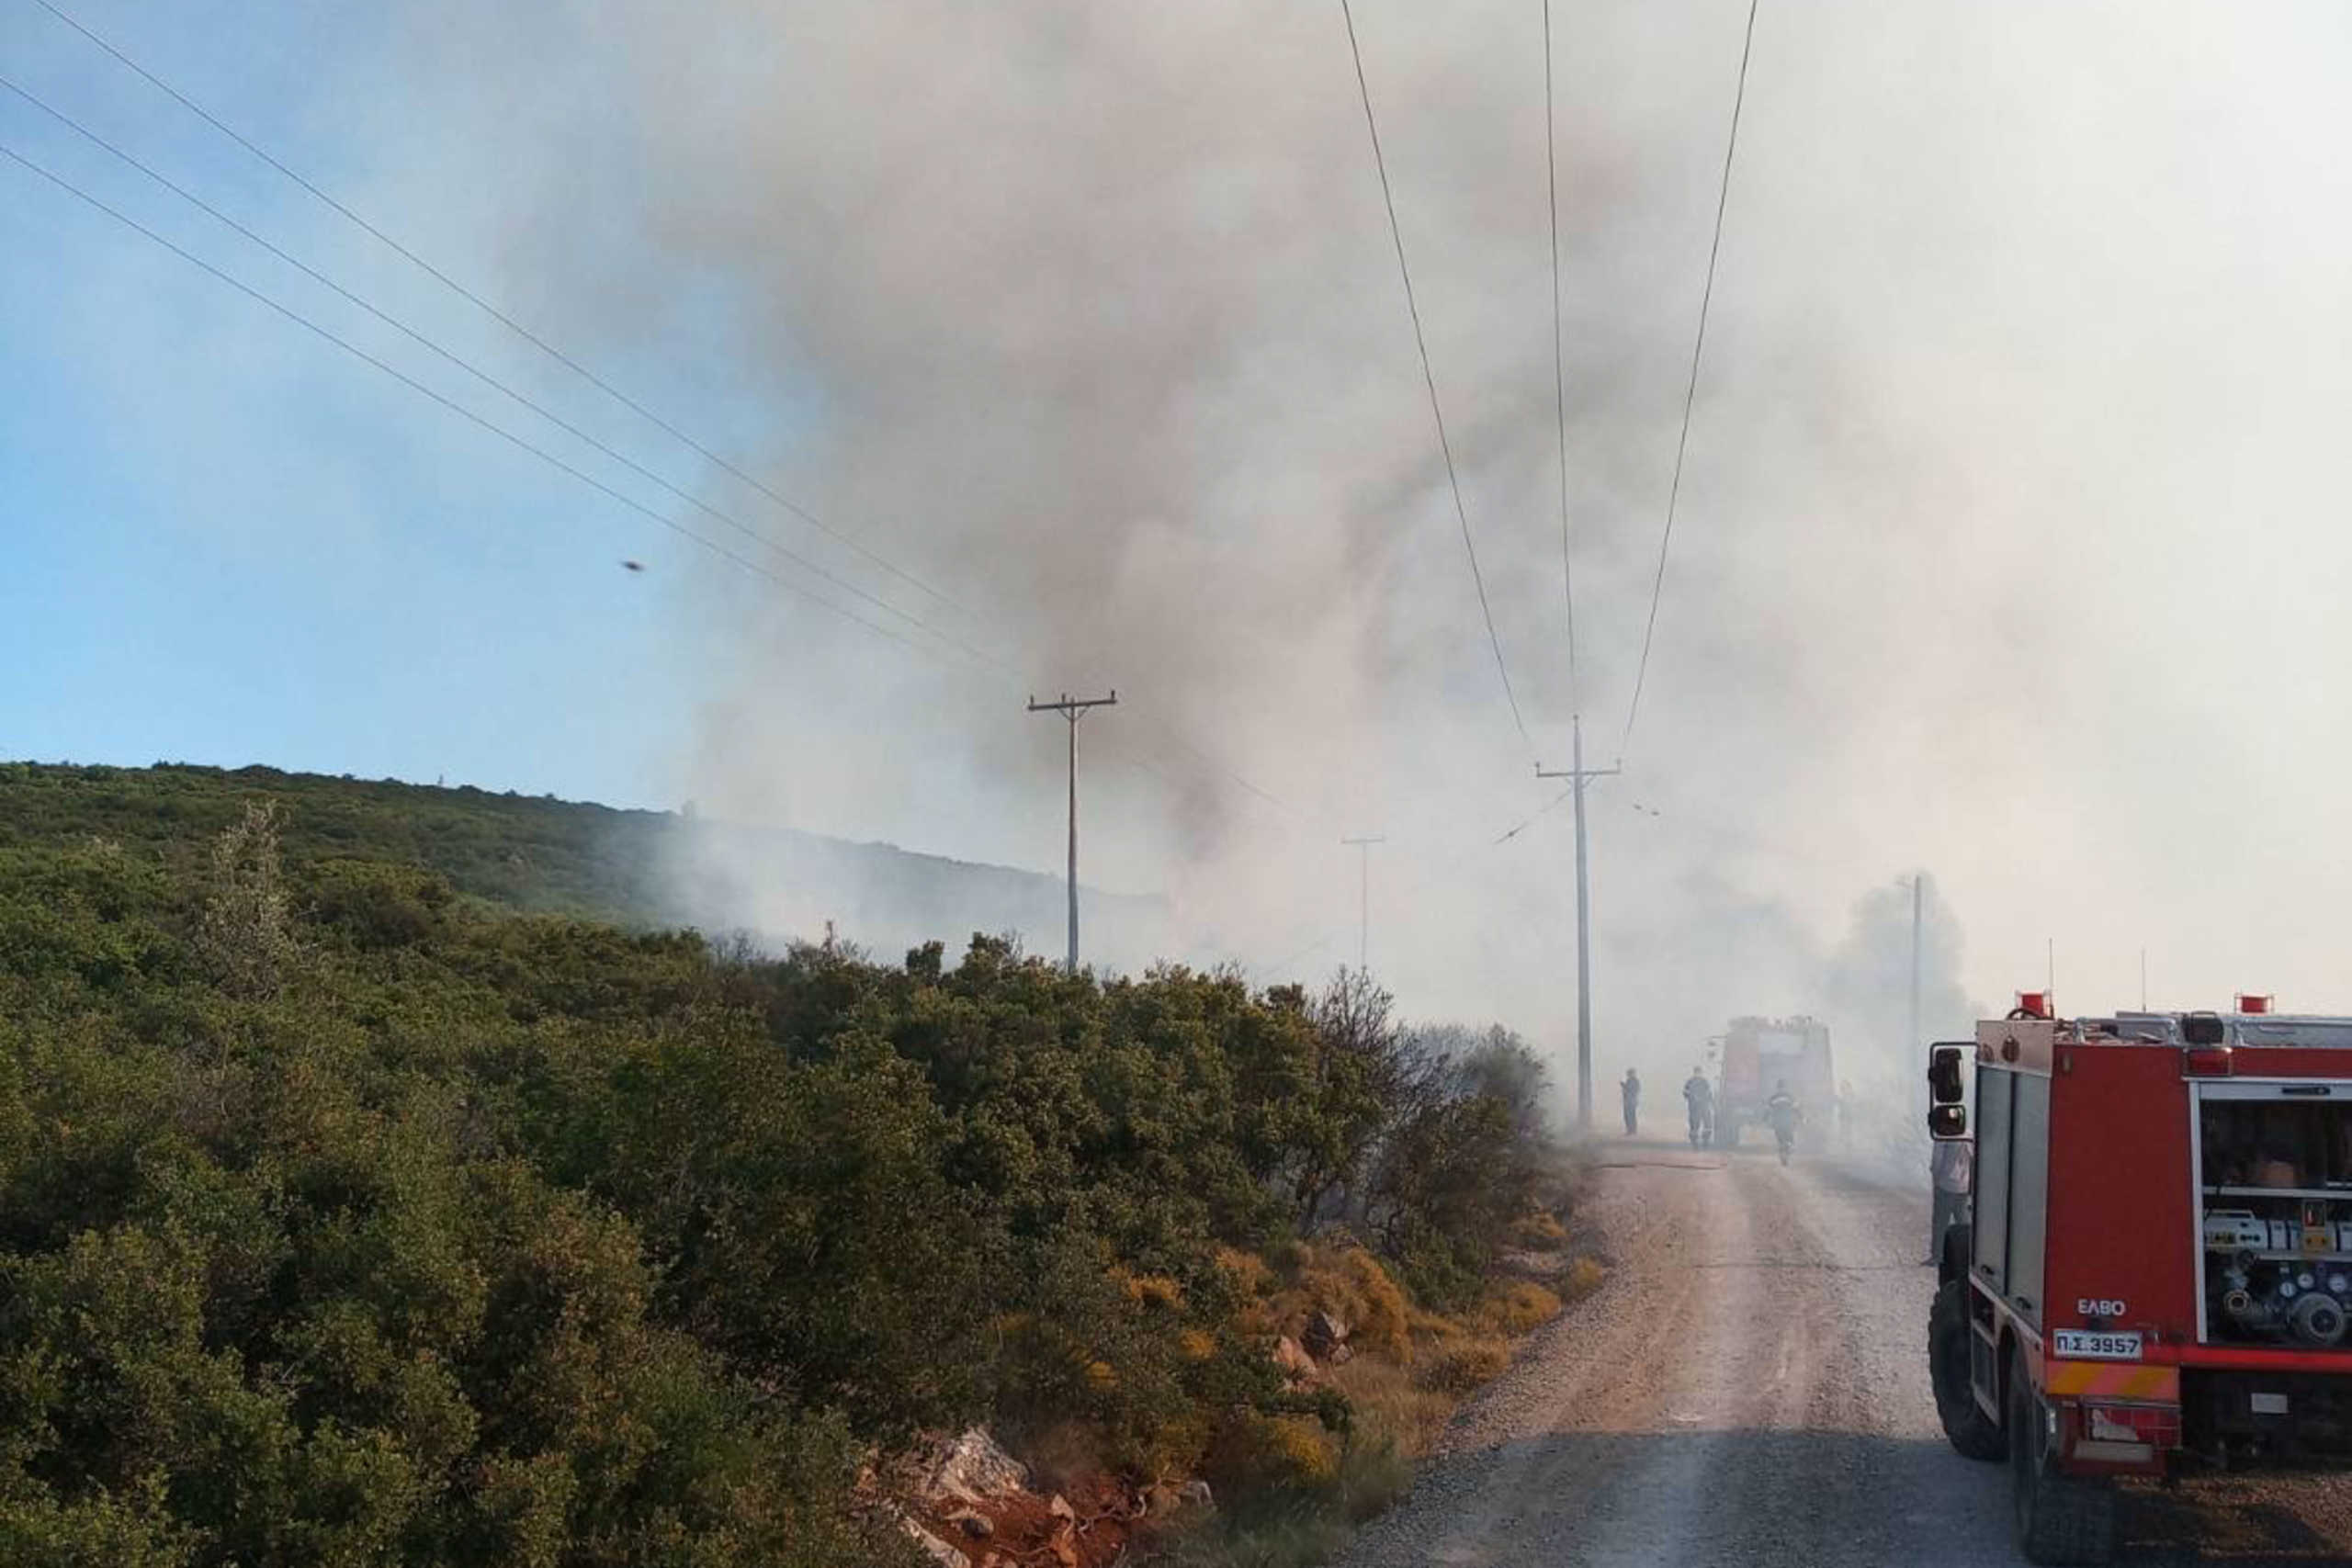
[(2007, 530)]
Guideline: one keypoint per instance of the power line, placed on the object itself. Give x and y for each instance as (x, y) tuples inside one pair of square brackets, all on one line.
[(1452, 867), (496, 385), (533, 339), (1690, 394), (523, 444), (1226, 773), (548, 457), (604, 386), (1541, 811), (452, 404), (1429, 378), (1231, 777), (1559, 366)]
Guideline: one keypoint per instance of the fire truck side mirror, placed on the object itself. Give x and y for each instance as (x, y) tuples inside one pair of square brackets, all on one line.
[(1944, 1086), (1948, 1121)]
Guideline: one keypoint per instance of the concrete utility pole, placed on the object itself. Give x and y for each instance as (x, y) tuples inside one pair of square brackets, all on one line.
[(1915, 1043), (1072, 708), (1918, 882), (1580, 774), (1363, 916)]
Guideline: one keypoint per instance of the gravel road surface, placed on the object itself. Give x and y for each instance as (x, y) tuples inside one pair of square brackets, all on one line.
[(1750, 1387)]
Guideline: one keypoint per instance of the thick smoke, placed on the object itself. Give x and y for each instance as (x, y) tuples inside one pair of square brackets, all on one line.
[(2006, 538), (1865, 988)]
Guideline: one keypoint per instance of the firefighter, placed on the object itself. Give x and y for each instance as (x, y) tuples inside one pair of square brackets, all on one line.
[(1631, 1091), (1953, 1168), (1780, 1111), (1699, 1096)]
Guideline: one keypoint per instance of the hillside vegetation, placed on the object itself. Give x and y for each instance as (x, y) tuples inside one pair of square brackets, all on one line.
[(356, 1212), (529, 854)]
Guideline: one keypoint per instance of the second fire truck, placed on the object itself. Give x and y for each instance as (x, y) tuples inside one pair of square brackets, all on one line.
[(2158, 1271)]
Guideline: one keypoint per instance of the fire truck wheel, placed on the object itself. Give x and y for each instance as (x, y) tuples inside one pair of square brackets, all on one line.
[(1973, 1434), (2059, 1518)]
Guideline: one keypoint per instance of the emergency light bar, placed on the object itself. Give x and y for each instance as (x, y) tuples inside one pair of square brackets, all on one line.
[(2253, 1004)]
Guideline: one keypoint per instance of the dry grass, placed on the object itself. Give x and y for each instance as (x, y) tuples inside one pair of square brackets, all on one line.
[(1348, 1282), (1299, 1537), (1583, 1278), (1389, 1403), (1432, 1328), (1464, 1367), (1149, 1290), (1307, 1522), (1290, 1493), (1248, 1271), (1518, 1308), (1256, 1453)]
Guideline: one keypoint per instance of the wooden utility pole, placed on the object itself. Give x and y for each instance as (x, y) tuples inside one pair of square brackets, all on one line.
[(1580, 774), (1363, 898), (1072, 709)]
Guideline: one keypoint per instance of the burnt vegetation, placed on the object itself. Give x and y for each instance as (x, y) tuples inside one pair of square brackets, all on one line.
[(364, 1202)]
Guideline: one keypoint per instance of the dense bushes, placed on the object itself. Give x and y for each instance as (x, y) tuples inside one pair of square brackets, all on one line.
[(347, 1220)]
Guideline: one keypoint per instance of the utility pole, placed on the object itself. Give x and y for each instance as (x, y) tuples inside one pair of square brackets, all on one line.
[(1072, 709), (1581, 774), (1917, 1042), (1918, 882), (1363, 916)]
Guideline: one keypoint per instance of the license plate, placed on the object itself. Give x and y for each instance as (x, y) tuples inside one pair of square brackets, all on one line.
[(2095, 1344)]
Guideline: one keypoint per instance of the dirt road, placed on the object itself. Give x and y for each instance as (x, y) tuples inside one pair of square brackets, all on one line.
[(1750, 1387)]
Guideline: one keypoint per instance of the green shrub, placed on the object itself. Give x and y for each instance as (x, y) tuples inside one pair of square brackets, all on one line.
[(368, 1196)]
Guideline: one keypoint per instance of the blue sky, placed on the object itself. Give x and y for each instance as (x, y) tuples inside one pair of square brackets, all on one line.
[(228, 540)]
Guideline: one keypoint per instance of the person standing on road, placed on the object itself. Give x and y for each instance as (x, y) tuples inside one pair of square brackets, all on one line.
[(1631, 1089), (1953, 1167), (1700, 1097), (1781, 1112)]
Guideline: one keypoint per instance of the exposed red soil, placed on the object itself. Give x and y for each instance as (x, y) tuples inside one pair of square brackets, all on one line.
[(1104, 1518)]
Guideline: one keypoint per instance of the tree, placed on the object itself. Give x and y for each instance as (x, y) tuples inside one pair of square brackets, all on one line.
[(1359, 1077), (243, 933)]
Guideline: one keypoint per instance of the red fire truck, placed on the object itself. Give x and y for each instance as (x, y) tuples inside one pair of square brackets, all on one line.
[(2158, 1268), (1759, 1056)]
